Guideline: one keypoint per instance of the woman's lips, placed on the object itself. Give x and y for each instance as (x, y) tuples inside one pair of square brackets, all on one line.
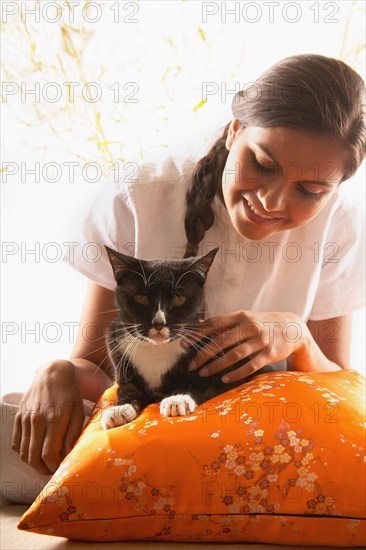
[(259, 219)]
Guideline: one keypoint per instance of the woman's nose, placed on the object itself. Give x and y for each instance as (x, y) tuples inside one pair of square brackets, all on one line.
[(273, 197)]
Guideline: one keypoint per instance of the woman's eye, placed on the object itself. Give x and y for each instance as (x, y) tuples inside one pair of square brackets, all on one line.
[(178, 300), (309, 195), (141, 299), (260, 166)]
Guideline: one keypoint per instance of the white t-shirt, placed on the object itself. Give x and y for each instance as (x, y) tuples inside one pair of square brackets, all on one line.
[(315, 271)]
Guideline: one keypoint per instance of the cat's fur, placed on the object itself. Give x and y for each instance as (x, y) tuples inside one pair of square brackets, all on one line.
[(143, 341)]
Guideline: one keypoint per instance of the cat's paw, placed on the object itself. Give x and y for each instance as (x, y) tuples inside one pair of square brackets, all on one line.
[(117, 416), (177, 405)]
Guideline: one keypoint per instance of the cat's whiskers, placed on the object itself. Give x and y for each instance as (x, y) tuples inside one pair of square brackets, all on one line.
[(177, 287), (106, 311), (118, 330), (136, 340), (125, 359), (193, 344), (143, 277), (103, 337), (94, 350), (189, 271), (143, 271), (192, 325), (108, 356), (199, 352), (126, 328), (172, 281), (148, 283), (186, 332), (117, 347)]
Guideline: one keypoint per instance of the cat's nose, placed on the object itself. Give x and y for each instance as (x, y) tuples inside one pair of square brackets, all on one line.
[(158, 326), (159, 320)]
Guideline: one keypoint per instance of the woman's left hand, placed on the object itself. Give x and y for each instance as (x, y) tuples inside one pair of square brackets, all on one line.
[(266, 336)]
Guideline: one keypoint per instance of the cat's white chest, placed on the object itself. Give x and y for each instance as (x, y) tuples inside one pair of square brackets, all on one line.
[(150, 360)]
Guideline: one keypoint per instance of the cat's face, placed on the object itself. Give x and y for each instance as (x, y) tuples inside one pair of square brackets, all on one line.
[(159, 300)]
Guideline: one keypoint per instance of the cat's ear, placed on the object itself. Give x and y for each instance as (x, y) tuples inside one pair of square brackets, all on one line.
[(119, 261), (202, 264)]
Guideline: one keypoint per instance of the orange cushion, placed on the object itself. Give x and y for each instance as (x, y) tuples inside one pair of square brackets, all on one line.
[(280, 459)]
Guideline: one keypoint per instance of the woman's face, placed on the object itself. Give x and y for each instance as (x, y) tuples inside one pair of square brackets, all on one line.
[(278, 178)]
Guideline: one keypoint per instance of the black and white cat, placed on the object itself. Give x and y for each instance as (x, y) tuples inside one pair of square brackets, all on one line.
[(159, 304)]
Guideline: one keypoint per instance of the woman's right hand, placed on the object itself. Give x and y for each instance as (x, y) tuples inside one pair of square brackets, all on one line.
[(49, 418)]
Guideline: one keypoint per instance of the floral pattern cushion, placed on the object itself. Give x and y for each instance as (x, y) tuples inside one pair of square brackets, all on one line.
[(280, 459)]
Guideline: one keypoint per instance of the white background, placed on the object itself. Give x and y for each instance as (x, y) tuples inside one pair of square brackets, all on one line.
[(169, 54)]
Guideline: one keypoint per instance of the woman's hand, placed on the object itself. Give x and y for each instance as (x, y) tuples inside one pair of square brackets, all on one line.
[(49, 418), (267, 337)]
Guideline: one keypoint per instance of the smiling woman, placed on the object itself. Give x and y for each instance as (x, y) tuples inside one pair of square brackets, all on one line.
[(297, 133)]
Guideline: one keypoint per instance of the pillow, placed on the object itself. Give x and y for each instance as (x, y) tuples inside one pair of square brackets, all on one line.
[(279, 460)]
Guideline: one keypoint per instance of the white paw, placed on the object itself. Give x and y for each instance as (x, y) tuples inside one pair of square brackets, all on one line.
[(177, 405), (117, 416)]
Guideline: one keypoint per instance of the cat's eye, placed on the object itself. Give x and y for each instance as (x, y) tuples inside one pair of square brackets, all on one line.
[(178, 300), (141, 299)]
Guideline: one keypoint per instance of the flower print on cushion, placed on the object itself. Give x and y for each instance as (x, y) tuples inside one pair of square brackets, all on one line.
[(279, 459)]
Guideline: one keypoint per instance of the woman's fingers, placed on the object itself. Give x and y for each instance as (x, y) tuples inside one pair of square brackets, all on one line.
[(236, 354), (223, 332), (51, 451), (36, 445), (24, 443), (253, 359), (262, 337), (215, 325), (40, 439), (53, 441), (49, 412), (253, 365), (222, 323), (16, 436), (74, 428), (220, 353)]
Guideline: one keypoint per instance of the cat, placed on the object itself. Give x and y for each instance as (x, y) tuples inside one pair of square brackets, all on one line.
[(159, 304)]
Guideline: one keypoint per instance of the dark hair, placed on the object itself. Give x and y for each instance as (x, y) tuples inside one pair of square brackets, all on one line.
[(310, 92)]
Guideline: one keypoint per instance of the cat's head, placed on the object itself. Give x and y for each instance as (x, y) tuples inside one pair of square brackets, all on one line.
[(160, 300)]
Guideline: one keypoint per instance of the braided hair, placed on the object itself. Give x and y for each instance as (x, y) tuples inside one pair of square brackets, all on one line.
[(206, 179)]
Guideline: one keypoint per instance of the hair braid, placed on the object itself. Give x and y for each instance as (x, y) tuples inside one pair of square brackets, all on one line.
[(206, 183)]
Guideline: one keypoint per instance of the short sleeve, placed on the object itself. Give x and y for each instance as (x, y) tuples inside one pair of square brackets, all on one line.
[(341, 288), (108, 221), (123, 213)]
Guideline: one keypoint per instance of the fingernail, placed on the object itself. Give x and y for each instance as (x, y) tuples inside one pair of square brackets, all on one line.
[(225, 379), (204, 372), (192, 365)]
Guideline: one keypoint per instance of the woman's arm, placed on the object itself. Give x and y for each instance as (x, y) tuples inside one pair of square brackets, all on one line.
[(326, 348), (93, 370)]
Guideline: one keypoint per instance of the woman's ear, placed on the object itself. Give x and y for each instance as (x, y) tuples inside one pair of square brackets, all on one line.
[(234, 128)]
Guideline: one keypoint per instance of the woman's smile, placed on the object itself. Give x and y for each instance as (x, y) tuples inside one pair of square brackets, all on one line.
[(256, 216)]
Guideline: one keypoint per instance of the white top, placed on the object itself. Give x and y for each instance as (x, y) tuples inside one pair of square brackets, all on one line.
[(315, 271)]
